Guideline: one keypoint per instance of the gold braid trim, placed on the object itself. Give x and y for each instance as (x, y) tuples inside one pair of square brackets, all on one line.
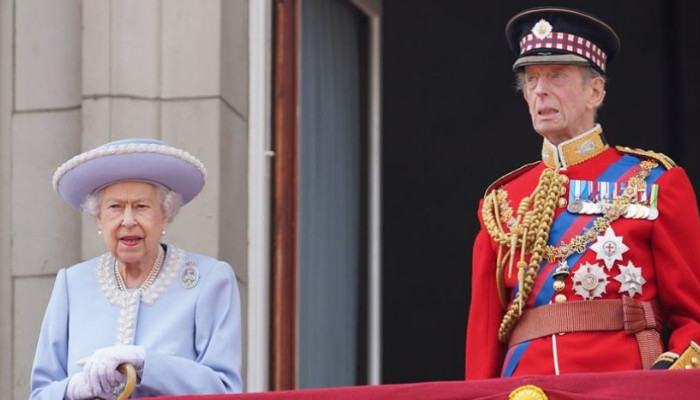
[(492, 218), (492, 221), (534, 233), (662, 158)]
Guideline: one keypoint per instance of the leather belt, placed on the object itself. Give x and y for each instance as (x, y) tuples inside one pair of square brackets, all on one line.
[(638, 318)]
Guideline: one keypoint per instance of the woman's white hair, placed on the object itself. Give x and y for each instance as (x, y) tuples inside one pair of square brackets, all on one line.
[(170, 200)]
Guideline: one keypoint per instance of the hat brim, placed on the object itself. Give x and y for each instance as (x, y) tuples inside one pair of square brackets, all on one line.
[(553, 59), (93, 175)]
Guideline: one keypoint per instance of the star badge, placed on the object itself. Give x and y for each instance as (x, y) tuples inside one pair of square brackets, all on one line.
[(631, 279), (609, 248), (590, 281)]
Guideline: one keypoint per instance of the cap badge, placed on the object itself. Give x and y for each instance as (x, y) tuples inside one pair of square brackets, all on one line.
[(542, 29)]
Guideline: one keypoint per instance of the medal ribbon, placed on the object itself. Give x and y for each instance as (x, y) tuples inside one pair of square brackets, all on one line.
[(654, 196)]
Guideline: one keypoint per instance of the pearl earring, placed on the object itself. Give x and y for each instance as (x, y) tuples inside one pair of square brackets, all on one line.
[(162, 233), (99, 232)]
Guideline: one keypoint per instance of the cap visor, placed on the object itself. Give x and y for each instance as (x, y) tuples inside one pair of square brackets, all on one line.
[(554, 59)]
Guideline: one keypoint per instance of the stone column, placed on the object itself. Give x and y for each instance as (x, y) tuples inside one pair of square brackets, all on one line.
[(44, 109)]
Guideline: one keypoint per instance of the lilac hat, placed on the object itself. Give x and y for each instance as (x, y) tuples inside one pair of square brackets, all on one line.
[(145, 160)]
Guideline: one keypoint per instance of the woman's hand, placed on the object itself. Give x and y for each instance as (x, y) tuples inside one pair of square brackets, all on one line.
[(79, 389), (100, 369)]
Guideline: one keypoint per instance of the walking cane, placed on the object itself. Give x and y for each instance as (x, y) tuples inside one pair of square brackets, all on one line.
[(128, 370)]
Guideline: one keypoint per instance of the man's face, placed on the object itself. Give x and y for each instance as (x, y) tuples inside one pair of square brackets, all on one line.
[(561, 101)]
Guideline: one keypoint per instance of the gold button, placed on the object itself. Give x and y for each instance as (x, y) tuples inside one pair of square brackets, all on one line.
[(560, 298), (564, 178), (563, 190), (562, 202)]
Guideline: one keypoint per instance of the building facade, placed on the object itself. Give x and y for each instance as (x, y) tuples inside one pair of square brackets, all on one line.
[(75, 74)]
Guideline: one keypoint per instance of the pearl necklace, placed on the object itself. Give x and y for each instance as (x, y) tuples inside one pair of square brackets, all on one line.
[(151, 275)]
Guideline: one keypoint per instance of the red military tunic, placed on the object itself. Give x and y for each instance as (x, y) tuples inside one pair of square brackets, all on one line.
[(661, 263)]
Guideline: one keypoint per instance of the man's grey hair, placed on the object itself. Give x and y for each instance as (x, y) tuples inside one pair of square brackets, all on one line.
[(170, 200)]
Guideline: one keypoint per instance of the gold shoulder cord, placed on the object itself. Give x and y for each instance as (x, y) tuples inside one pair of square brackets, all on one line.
[(530, 233), (493, 216), (662, 158)]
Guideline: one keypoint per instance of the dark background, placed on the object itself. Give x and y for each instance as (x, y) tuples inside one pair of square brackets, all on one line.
[(453, 123)]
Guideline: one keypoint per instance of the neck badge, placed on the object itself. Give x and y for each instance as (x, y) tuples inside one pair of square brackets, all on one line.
[(560, 274)]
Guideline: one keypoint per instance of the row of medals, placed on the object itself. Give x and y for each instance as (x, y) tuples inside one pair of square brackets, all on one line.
[(639, 208)]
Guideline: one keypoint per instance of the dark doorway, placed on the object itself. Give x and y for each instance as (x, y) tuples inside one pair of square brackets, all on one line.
[(320, 197)]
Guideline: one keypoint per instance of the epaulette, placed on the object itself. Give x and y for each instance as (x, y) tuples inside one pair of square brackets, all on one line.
[(665, 160), (510, 176)]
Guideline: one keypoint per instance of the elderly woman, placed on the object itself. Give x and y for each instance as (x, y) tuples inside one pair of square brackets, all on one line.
[(173, 315)]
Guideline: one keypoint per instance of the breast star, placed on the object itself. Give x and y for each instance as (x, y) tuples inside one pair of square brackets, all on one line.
[(631, 279), (590, 281), (609, 248)]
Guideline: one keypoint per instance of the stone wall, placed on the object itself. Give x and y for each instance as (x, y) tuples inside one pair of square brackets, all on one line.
[(75, 74)]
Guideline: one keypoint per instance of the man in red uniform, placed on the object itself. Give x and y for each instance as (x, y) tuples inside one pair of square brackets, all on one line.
[(584, 257)]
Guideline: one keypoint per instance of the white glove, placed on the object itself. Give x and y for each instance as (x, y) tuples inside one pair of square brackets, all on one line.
[(78, 389), (101, 367)]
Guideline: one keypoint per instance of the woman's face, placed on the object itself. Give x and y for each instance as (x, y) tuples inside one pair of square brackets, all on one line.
[(132, 220)]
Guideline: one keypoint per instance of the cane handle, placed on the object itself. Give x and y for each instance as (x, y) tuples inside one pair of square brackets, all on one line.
[(128, 370)]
